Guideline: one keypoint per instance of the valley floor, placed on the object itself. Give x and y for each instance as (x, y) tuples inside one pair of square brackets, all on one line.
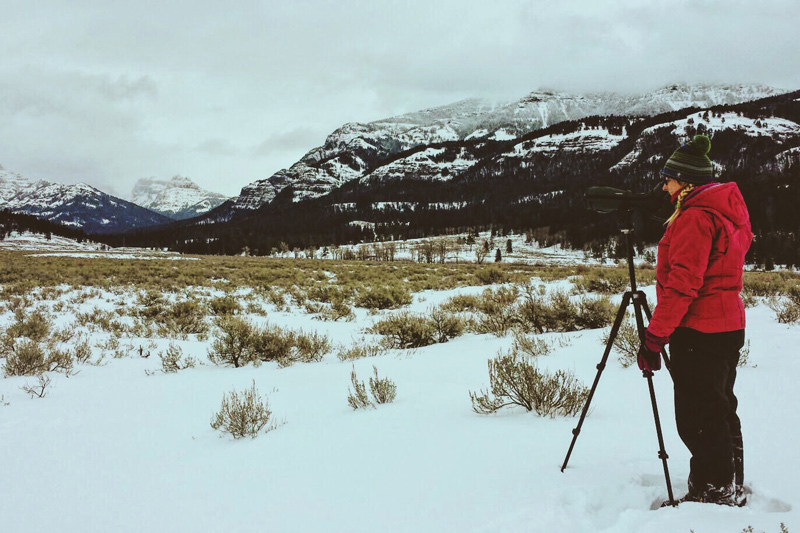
[(121, 445)]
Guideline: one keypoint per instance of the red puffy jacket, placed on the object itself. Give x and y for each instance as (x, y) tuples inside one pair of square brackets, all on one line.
[(700, 263)]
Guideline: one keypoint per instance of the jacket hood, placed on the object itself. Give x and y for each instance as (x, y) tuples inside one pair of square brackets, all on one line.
[(722, 198)]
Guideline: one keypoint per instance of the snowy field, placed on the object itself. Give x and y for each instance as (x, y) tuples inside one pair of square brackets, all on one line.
[(123, 446)]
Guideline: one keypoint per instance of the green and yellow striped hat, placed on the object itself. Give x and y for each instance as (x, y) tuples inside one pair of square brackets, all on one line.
[(690, 162)]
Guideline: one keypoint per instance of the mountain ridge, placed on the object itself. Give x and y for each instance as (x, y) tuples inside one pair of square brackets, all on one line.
[(355, 149), (532, 183), (81, 205)]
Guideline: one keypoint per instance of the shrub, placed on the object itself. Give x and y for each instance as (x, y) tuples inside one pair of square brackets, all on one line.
[(272, 343), (82, 351), (383, 390), (276, 298), (152, 304), (357, 398), (63, 335), (534, 312), (497, 312), (234, 342), (744, 355), (626, 344), (326, 293), (6, 345), (557, 312), (99, 318), (594, 313), (749, 298), (311, 347), (461, 302), (40, 389), (530, 346), (255, 308), (35, 326), (767, 285), (358, 350), (311, 307), (446, 325), (297, 295), (338, 310), (386, 297), (491, 275), (514, 380), (606, 281), (405, 330), (16, 304), (173, 360), (243, 416), (225, 305), (186, 317), (239, 342), (60, 361), (787, 308), (26, 358)]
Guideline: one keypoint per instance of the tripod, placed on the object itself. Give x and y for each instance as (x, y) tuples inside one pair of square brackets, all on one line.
[(639, 301)]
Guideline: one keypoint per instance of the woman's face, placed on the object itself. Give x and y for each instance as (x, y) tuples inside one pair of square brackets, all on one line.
[(672, 186)]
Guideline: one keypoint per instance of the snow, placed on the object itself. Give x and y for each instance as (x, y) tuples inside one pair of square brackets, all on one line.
[(115, 449), (503, 135), (778, 127), (585, 140), (37, 242), (423, 163), (39, 246)]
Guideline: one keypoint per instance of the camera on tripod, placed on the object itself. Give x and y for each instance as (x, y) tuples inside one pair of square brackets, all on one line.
[(631, 205), (609, 199)]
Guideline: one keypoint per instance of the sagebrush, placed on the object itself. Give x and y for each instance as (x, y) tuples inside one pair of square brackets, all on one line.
[(515, 380), (243, 415)]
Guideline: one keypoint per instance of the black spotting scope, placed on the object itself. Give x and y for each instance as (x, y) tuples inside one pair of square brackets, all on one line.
[(609, 199)]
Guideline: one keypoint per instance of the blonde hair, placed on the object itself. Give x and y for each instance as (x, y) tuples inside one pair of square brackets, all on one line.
[(681, 197)]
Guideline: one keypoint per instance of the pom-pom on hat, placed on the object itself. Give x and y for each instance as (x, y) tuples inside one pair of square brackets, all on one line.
[(690, 162)]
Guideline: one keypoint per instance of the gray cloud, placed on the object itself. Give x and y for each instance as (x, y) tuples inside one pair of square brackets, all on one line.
[(123, 88), (299, 139), (217, 147), (227, 93)]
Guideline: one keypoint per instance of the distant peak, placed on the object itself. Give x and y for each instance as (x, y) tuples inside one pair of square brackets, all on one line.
[(182, 181), (86, 187)]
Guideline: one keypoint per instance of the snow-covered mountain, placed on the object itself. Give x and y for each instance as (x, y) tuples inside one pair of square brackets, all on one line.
[(355, 150), (177, 198), (79, 205), (11, 184)]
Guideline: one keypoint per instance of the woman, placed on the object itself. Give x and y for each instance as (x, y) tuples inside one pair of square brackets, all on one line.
[(700, 314)]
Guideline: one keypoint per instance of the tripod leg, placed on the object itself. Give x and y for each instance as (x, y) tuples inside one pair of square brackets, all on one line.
[(638, 298), (626, 300), (662, 453)]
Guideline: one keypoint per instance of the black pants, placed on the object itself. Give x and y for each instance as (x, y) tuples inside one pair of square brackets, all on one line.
[(703, 369)]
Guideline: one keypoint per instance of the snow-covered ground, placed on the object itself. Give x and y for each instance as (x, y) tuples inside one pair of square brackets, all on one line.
[(125, 447), (56, 246)]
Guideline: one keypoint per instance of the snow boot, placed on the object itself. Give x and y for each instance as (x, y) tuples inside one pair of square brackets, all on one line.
[(730, 495)]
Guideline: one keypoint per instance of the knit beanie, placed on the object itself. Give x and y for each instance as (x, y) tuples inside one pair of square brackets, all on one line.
[(690, 162)]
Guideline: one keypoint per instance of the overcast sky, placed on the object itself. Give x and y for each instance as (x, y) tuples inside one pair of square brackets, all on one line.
[(106, 92)]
